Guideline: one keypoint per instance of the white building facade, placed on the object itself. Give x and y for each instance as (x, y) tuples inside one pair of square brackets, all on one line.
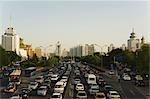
[(133, 43), (10, 40)]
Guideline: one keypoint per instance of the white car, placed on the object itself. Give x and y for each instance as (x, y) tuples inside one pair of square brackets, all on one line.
[(59, 87), (126, 77), (16, 96), (54, 77), (42, 91), (111, 72), (79, 87), (39, 79), (33, 85), (56, 96), (113, 94), (65, 78), (64, 81)]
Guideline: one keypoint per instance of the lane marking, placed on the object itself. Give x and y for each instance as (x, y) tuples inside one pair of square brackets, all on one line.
[(132, 92)]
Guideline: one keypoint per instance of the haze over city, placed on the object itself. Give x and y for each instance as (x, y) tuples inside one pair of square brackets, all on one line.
[(76, 22)]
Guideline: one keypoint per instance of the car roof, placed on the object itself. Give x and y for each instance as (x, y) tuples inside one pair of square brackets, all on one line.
[(113, 91), (43, 86), (81, 92), (56, 93), (79, 84)]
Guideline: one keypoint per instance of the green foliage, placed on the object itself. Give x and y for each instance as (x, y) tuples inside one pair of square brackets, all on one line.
[(92, 59), (142, 59), (27, 63), (52, 60), (8, 57)]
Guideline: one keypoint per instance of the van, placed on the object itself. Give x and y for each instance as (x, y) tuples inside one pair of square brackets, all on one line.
[(91, 79)]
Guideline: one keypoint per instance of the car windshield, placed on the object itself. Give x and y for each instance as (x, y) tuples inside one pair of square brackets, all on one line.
[(100, 96), (33, 84), (114, 94), (42, 89), (58, 86), (38, 78), (108, 87), (81, 94), (92, 79), (56, 96), (79, 85), (46, 82)]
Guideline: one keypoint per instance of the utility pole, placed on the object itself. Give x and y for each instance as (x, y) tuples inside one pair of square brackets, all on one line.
[(58, 48)]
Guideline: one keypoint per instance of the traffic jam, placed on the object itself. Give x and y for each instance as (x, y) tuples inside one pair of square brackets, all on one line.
[(66, 80)]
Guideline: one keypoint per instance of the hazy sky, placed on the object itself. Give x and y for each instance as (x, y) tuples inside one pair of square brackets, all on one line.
[(42, 23)]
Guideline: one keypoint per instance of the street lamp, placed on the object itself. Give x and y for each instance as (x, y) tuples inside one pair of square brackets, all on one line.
[(101, 51), (45, 53)]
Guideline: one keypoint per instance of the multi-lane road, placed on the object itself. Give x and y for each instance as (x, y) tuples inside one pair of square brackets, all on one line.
[(126, 89)]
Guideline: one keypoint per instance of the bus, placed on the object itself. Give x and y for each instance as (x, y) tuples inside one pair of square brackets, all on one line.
[(15, 76), (91, 79), (30, 71)]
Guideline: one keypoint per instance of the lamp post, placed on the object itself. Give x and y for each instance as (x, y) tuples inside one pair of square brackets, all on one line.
[(101, 51), (45, 52)]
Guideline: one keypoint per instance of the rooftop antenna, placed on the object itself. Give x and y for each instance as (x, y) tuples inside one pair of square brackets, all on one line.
[(10, 19), (132, 30)]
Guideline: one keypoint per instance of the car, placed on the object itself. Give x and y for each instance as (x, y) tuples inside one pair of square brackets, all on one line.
[(10, 88), (39, 79), (33, 85), (16, 96), (126, 77), (59, 87), (64, 81), (100, 95), (25, 93), (76, 81), (111, 72), (94, 88), (101, 82), (79, 87), (47, 83), (54, 77), (139, 83), (65, 78), (42, 90), (81, 95), (138, 77), (56, 96), (113, 95), (107, 88)]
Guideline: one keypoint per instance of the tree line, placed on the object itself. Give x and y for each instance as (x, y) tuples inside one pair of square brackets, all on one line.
[(138, 61)]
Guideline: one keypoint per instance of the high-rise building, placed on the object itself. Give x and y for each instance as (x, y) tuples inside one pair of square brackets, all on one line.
[(80, 50), (89, 49), (123, 47), (28, 48), (10, 40), (38, 52), (133, 43), (111, 47)]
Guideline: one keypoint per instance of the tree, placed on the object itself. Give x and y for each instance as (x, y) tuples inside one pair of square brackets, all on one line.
[(52, 61), (142, 59), (35, 59)]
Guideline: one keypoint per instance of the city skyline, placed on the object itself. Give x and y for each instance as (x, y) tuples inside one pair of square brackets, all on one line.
[(74, 23)]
